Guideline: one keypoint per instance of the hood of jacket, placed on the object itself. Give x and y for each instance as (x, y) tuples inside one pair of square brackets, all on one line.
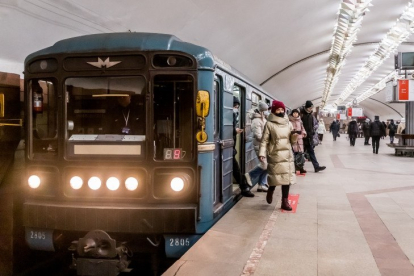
[(278, 120), (292, 119)]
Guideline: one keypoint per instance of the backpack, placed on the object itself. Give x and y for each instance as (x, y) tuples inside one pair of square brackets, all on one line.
[(393, 128)]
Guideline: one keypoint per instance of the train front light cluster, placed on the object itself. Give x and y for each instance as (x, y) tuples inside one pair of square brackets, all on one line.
[(94, 183)]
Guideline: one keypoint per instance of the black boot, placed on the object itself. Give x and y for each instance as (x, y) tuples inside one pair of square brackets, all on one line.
[(269, 195), (285, 204)]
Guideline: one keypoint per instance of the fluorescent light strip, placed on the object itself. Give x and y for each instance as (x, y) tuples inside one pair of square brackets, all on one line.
[(350, 16), (399, 33), (376, 88)]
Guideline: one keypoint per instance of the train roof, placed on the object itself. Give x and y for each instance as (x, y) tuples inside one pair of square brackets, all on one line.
[(128, 42), (137, 41)]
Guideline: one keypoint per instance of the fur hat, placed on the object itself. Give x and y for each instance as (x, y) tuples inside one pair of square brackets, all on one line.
[(308, 104), (294, 110), (236, 101), (263, 106), (276, 105)]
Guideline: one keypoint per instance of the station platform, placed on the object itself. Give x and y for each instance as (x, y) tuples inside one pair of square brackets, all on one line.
[(354, 218)]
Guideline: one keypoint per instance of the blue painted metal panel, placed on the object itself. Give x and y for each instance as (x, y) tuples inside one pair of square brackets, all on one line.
[(127, 42)]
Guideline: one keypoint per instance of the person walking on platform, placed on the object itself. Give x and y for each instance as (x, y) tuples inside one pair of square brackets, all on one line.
[(321, 130), (276, 145), (334, 129), (258, 174), (245, 191), (352, 132), (367, 131), (385, 127), (297, 124), (392, 129), (307, 119), (377, 131), (401, 126)]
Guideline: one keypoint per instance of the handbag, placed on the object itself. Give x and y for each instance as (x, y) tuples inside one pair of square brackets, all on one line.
[(315, 140), (299, 159)]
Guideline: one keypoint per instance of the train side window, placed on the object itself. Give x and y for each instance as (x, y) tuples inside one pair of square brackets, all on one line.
[(173, 117), (255, 99), (44, 117)]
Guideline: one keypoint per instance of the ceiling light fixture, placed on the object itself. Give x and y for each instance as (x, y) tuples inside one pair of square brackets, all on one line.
[(350, 16), (376, 88), (395, 36)]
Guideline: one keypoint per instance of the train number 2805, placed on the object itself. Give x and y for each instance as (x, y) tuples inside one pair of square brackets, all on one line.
[(180, 242), (37, 235)]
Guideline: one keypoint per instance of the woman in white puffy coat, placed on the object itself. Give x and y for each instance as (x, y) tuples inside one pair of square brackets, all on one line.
[(321, 130), (258, 174)]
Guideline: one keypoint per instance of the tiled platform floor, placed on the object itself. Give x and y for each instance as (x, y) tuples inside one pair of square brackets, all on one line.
[(354, 218)]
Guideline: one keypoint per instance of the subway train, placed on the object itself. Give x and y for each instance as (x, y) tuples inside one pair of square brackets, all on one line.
[(129, 145)]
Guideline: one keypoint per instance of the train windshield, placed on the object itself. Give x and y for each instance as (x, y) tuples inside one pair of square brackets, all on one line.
[(106, 108)]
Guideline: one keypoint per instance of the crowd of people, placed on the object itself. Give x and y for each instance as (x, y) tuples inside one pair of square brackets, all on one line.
[(282, 142)]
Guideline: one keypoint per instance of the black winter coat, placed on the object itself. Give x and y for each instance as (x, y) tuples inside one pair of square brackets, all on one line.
[(367, 129), (353, 129), (377, 129)]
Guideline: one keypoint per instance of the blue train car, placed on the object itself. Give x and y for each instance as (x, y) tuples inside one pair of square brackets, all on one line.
[(130, 142)]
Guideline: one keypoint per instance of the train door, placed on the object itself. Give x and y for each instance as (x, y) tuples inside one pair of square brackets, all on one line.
[(239, 93), (218, 154), (10, 122)]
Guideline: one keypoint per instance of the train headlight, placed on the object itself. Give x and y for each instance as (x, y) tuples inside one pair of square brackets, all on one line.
[(177, 184), (76, 182), (131, 183), (94, 183), (112, 183), (34, 181)]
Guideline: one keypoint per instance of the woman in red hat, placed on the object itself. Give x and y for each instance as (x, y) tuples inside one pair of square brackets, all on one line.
[(276, 145)]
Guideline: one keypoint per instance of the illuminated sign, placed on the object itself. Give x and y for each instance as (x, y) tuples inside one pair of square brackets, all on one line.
[(172, 154)]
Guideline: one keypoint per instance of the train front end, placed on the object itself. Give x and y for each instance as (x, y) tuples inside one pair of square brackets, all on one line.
[(111, 154)]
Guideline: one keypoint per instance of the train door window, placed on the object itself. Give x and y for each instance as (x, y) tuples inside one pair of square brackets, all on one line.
[(255, 99), (216, 108), (173, 113), (268, 102), (106, 106), (44, 118)]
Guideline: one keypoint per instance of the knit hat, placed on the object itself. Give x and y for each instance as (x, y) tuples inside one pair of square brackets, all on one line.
[(236, 101), (293, 111), (308, 104), (263, 106), (276, 105)]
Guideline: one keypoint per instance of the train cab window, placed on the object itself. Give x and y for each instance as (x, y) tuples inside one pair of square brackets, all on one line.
[(105, 108), (43, 118), (173, 113)]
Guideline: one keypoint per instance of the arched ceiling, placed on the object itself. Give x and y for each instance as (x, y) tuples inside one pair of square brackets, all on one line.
[(283, 45)]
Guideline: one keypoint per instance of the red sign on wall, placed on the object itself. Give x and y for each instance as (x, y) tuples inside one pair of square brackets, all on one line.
[(403, 91), (349, 111), (293, 201)]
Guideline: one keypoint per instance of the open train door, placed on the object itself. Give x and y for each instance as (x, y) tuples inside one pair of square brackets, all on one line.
[(10, 119)]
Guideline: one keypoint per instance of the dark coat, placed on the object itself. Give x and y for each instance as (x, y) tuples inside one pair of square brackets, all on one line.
[(367, 129), (307, 120), (353, 129), (377, 129), (334, 128), (393, 129), (132, 117)]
